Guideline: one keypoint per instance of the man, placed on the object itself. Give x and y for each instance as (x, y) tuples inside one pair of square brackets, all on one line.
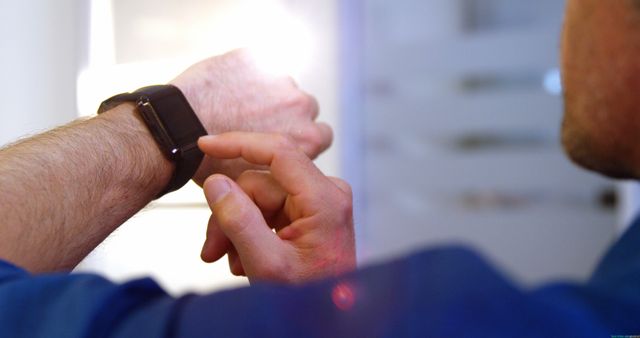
[(442, 292), (63, 192)]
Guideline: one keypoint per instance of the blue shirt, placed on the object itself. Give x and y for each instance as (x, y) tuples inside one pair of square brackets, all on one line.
[(447, 292)]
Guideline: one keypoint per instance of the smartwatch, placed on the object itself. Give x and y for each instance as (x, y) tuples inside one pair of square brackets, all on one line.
[(173, 124)]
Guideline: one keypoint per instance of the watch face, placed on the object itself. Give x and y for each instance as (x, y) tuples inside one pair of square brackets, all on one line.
[(172, 123), (178, 118), (157, 128)]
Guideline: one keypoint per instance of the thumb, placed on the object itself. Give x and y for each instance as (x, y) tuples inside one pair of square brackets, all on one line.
[(242, 222)]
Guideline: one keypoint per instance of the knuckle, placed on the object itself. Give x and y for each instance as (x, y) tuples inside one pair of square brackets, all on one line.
[(311, 106), (244, 178), (231, 217), (314, 138), (344, 186), (247, 178), (300, 98), (284, 142), (240, 54), (289, 81), (226, 220), (348, 189), (303, 104), (344, 204)]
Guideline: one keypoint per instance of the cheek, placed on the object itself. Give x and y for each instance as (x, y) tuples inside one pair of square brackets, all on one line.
[(600, 76), (600, 50)]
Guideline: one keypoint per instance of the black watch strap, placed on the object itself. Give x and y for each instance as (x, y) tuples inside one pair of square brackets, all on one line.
[(173, 124)]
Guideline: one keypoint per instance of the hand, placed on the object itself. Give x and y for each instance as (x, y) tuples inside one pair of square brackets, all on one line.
[(229, 93), (310, 213)]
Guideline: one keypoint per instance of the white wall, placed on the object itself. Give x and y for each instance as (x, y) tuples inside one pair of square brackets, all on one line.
[(39, 57), (629, 194), (462, 140)]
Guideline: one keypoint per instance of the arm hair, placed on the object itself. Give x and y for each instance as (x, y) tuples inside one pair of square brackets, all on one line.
[(63, 192)]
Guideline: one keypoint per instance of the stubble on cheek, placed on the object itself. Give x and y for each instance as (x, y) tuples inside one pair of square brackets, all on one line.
[(593, 134), (590, 149)]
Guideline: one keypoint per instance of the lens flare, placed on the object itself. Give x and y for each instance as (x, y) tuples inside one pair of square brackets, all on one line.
[(343, 296), (279, 41)]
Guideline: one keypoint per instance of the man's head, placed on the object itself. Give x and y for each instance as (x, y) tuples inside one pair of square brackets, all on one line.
[(601, 75)]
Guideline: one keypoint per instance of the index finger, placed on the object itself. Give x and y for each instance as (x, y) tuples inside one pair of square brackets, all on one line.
[(289, 165)]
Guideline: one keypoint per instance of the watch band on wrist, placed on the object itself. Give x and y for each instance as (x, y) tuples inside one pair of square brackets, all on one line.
[(173, 124)]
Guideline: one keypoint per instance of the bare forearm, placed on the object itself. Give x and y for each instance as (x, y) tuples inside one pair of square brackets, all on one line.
[(63, 192)]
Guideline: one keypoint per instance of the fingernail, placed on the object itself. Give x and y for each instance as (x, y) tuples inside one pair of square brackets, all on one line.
[(217, 189), (207, 138)]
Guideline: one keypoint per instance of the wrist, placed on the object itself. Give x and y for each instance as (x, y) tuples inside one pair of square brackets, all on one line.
[(172, 123), (204, 112), (139, 153), (207, 167)]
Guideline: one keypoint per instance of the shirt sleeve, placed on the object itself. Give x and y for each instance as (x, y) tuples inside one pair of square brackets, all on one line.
[(81, 305), (449, 292), (620, 267)]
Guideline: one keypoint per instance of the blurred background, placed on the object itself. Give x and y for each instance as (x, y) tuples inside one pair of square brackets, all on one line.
[(446, 115)]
